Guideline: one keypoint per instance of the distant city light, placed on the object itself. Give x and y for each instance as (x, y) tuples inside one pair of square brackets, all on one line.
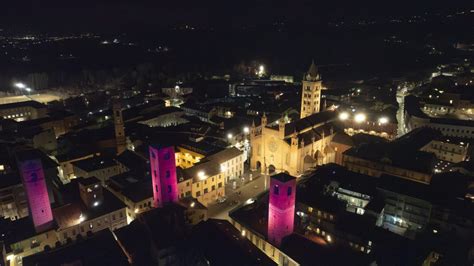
[(359, 118), (261, 71), (82, 218), (96, 204), (246, 130), (328, 238), (383, 120), (230, 136), (20, 85), (28, 89), (344, 116)]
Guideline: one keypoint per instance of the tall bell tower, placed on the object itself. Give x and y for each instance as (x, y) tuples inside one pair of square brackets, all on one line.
[(311, 92), (120, 138)]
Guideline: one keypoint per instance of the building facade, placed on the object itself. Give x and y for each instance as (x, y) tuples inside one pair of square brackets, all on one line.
[(296, 146)]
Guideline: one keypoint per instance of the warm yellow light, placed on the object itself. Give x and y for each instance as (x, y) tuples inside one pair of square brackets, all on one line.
[(344, 116), (223, 168), (359, 118), (383, 120), (136, 210), (201, 175), (243, 232), (246, 130), (328, 238), (229, 136), (82, 218), (192, 204)]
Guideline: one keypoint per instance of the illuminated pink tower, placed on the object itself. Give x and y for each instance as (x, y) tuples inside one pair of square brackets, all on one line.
[(281, 208), (163, 175), (32, 176)]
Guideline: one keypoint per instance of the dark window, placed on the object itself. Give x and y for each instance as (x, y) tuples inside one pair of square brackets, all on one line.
[(219, 185), (169, 188), (276, 190), (289, 191), (167, 156), (213, 188), (167, 173), (206, 190), (156, 188), (198, 194), (153, 155)]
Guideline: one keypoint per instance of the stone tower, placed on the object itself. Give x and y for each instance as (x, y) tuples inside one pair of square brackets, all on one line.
[(120, 139), (32, 176), (163, 175), (281, 209), (311, 92)]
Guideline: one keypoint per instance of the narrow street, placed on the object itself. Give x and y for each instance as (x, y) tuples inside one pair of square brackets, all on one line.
[(247, 189)]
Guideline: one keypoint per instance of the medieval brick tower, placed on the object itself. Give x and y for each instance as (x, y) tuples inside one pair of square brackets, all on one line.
[(311, 92), (32, 176), (120, 139), (281, 209), (163, 175)]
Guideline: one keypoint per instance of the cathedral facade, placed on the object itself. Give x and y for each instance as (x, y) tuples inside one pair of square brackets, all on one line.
[(299, 145)]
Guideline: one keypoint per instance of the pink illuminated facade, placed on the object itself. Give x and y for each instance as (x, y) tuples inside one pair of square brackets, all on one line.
[(163, 175), (32, 176), (281, 209)]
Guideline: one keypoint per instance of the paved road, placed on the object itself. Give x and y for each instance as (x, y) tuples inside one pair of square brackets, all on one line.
[(247, 189)]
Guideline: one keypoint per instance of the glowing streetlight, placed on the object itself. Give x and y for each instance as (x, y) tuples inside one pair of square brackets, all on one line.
[(359, 118), (82, 218), (201, 175), (28, 89), (344, 116), (229, 136), (223, 168), (383, 120), (261, 70), (246, 130), (20, 85)]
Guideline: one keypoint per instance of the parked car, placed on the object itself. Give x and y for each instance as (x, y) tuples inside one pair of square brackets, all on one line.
[(221, 199)]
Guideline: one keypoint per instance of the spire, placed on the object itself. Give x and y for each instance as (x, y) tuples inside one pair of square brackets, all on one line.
[(313, 72)]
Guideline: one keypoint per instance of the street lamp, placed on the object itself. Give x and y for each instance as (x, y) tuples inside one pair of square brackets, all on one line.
[(20, 85), (383, 120), (359, 118), (344, 116), (201, 175), (229, 136), (246, 130)]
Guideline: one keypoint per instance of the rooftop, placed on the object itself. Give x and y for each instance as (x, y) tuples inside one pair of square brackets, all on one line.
[(309, 122), (282, 177), (222, 244), (33, 104), (90, 251), (96, 163)]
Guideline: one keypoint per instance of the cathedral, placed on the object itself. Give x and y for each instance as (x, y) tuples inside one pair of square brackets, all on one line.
[(299, 145)]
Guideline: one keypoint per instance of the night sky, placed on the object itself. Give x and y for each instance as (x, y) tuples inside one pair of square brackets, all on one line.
[(115, 15)]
